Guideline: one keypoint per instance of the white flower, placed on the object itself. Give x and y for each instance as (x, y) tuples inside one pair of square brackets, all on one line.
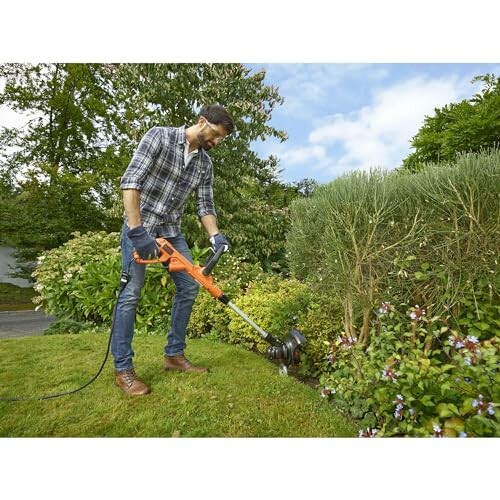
[(326, 391)]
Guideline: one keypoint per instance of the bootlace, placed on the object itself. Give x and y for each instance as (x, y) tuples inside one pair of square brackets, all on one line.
[(129, 376)]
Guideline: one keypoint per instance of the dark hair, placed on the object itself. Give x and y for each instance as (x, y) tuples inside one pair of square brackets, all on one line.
[(218, 115)]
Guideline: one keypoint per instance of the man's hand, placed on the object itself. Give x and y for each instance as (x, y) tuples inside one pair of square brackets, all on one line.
[(144, 243), (218, 240)]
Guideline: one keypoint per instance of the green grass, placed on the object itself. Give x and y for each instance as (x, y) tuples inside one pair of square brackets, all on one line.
[(243, 395), (15, 298)]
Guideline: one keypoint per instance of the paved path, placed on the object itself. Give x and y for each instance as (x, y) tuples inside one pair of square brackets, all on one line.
[(21, 323)]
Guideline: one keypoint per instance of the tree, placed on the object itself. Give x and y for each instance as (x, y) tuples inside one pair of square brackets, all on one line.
[(85, 121), (468, 126)]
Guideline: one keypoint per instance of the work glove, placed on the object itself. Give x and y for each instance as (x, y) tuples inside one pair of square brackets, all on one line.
[(218, 240), (144, 244)]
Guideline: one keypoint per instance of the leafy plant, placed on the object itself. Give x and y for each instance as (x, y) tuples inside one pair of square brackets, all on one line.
[(275, 304), (79, 282), (404, 385)]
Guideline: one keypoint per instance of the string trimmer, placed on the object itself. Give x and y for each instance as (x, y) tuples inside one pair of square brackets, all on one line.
[(286, 351)]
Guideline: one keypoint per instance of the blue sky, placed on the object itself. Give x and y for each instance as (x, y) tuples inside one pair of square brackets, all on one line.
[(344, 117)]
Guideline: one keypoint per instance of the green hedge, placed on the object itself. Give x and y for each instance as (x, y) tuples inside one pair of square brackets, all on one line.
[(370, 237), (408, 268)]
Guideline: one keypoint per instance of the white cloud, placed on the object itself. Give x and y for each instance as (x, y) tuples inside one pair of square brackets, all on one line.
[(306, 87), (378, 135), (301, 155), (9, 117)]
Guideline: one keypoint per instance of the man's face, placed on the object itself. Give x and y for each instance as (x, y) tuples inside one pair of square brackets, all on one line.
[(210, 134)]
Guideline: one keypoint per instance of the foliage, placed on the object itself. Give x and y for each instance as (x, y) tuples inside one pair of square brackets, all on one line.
[(422, 238), (471, 125), (79, 280), (320, 324), (408, 265), (79, 283), (60, 172), (275, 304), (419, 376), (210, 317)]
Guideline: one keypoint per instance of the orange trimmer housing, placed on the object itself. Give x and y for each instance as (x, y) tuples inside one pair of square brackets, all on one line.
[(176, 262)]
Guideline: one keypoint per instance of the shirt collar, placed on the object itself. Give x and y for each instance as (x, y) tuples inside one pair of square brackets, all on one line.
[(181, 134)]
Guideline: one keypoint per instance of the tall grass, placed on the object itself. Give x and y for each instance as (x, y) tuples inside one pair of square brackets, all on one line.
[(425, 237)]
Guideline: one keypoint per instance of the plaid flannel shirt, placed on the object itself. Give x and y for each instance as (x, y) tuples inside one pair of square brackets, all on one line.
[(157, 170)]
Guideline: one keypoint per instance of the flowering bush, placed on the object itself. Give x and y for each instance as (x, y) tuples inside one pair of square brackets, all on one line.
[(79, 282), (417, 380)]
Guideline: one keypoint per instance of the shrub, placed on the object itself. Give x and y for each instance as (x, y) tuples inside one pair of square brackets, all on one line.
[(210, 317), (275, 304), (321, 323), (79, 282), (423, 236), (418, 377)]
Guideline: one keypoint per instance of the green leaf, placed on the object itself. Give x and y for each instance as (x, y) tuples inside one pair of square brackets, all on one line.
[(482, 326), (427, 401), (421, 276)]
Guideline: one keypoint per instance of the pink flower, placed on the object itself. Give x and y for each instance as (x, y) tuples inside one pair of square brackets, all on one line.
[(388, 373), (417, 313), (368, 433), (483, 406), (438, 432), (346, 341), (456, 341), (384, 308), (326, 391)]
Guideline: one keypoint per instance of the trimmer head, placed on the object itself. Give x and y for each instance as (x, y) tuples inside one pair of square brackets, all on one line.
[(288, 353)]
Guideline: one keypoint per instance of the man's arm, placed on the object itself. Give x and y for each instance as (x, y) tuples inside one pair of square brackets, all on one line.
[(137, 171), (209, 222), (131, 203)]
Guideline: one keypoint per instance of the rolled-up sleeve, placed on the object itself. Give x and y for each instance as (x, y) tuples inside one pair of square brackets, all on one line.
[(205, 196), (143, 158)]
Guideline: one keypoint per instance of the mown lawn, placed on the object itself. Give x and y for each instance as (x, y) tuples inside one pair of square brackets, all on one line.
[(243, 395)]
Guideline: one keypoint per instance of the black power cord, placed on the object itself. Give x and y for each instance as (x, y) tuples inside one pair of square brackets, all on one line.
[(123, 283)]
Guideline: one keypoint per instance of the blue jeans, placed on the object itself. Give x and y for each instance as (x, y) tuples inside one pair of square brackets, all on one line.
[(182, 305)]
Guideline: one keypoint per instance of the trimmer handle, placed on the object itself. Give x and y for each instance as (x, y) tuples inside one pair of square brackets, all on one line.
[(160, 259), (212, 261)]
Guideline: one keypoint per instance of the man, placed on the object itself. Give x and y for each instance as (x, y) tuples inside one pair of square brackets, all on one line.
[(168, 165)]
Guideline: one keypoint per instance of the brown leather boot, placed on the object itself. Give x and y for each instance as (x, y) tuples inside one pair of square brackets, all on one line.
[(128, 382), (181, 363)]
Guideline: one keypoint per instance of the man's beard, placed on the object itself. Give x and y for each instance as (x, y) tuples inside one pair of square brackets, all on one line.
[(203, 143)]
